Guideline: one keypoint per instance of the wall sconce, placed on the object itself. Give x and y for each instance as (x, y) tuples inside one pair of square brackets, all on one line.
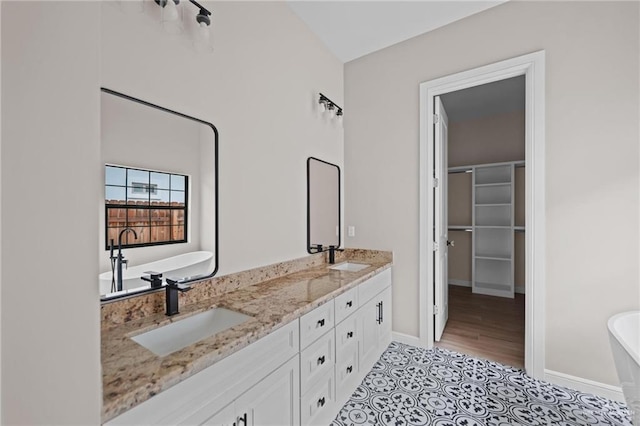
[(327, 104), (171, 19)]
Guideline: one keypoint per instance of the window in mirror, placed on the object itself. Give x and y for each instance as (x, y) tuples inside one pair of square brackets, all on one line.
[(152, 203)]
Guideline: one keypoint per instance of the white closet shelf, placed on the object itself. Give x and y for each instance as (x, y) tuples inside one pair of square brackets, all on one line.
[(484, 185), (493, 220), (493, 257)]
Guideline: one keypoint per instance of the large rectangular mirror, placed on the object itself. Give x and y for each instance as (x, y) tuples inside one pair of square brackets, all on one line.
[(159, 210), (323, 205)]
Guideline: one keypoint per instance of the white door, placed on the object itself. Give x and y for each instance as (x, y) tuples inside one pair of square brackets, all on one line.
[(441, 219)]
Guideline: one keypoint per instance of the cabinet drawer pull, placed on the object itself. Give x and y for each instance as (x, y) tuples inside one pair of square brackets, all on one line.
[(321, 360), (321, 402), (320, 323), (349, 304), (349, 369), (242, 420), (350, 335)]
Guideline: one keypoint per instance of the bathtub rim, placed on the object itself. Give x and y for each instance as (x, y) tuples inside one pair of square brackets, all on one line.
[(112, 297), (633, 354)]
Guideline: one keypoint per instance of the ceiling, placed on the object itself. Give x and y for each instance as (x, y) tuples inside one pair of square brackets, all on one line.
[(351, 29), (489, 99)]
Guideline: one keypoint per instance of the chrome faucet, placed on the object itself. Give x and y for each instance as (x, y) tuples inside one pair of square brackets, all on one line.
[(120, 260)]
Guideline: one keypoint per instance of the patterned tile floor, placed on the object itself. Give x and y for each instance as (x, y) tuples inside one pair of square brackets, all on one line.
[(415, 386)]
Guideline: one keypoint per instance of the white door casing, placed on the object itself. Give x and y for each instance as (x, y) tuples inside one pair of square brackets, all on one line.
[(532, 66), (441, 218)]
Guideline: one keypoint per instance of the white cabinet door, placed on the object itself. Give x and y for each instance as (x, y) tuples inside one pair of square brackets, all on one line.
[(273, 401), (384, 327), (225, 417), (369, 334), (375, 335)]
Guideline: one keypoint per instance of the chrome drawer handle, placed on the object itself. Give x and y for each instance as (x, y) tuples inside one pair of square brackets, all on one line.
[(321, 360), (321, 402), (320, 323)]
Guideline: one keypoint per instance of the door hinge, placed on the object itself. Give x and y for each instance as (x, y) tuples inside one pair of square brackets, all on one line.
[(435, 182), (435, 246), (436, 310), (436, 119)]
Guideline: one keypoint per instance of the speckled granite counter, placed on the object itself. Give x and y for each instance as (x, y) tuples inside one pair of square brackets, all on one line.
[(274, 296)]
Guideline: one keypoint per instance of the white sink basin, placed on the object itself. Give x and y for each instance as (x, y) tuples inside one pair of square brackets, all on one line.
[(180, 334), (348, 266)]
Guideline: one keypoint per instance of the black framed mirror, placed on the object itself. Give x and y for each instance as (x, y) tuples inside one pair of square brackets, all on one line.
[(159, 210), (323, 205)]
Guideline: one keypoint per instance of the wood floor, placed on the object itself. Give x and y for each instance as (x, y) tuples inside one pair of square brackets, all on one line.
[(485, 326)]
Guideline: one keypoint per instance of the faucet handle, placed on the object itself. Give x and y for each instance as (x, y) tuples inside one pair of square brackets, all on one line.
[(125, 262), (178, 284), (155, 278), (153, 274)]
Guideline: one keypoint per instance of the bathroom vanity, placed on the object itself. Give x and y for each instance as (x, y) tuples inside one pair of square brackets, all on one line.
[(312, 333)]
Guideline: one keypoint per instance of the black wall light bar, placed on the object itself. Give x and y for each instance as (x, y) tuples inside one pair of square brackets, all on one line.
[(327, 104), (172, 21)]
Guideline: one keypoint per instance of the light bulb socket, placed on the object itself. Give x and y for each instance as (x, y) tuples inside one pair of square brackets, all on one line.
[(163, 3), (339, 113), (203, 17)]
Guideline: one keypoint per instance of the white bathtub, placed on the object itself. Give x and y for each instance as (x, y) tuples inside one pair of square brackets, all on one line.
[(624, 334), (182, 265)]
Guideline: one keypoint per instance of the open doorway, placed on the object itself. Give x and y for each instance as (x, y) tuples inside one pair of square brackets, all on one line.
[(483, 188), (433, 240)]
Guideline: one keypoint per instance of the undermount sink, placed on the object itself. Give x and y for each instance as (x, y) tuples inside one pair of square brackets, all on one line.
[(180, 334), (348, 266)]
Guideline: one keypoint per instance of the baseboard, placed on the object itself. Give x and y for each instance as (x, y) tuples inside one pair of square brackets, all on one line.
[(406, 339), (584, 385), (463, 283)]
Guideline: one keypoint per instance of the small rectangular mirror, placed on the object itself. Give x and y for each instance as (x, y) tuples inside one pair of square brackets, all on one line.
[(323, 205)]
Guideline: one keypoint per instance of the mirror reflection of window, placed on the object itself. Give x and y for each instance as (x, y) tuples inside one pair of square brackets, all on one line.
[(323, 192), (154, 204), (160, 171)]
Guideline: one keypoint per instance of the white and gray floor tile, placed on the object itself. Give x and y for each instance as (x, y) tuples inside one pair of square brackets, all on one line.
[(416, 386)]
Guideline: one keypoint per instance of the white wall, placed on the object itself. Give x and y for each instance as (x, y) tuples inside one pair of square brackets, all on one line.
[(259, 88), (592, 165), (50, 190)]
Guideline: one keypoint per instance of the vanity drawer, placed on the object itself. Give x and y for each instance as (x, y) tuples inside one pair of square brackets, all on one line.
[(316, 362), (346, 304), (316, 323), (346, 373), (347, 333), (317, 407), (374, 285)]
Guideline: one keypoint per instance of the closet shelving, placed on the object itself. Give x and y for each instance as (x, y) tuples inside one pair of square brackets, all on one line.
[(493, 227)]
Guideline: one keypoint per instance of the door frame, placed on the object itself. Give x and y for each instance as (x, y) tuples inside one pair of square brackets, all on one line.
[(532, 66)]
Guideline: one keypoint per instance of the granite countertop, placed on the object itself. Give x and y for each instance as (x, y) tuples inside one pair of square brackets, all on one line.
[(132, 374)]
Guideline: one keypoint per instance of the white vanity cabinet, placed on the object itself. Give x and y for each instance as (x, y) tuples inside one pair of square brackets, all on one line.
[(240, 383), (272, 401), (375, 318), (317, 364), (300, 374)]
